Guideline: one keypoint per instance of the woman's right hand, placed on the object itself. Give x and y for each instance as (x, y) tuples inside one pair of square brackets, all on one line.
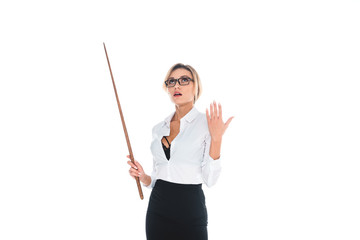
[(136, 170)]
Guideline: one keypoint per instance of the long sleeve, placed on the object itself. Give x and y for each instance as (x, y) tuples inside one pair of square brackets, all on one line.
[(210, 168), (153, 177), (153, 173)]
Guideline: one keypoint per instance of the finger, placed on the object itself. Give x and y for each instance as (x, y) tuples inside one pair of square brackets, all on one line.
[(220, 112), (228, 122), (132, 165), (211, 112), (138, 165), (134, 175), (215, 110), (134, 172), (137, 174), (207, 116)]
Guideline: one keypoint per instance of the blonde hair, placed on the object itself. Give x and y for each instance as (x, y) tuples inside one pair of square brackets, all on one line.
[(195, 77)]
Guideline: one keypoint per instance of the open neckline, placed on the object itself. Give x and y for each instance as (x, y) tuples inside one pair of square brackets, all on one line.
[(167, 142), (167, 150)]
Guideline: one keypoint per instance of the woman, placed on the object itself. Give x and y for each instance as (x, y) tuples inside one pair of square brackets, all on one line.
[(186, 153)]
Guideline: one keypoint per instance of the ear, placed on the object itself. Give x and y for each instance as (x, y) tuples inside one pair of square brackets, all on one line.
[(194, 92)]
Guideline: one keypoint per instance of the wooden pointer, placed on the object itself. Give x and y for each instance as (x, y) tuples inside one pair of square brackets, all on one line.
[(124, 126)]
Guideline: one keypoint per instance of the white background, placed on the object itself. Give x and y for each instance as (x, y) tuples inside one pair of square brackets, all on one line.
[(287, 70)]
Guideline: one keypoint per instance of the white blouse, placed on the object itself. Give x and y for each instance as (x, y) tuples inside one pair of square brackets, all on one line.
[(189, 162)]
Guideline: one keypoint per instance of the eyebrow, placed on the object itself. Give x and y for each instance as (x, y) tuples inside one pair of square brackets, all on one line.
[(180, 77)]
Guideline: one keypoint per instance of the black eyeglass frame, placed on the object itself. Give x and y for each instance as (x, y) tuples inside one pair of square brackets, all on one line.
[(178, 80)]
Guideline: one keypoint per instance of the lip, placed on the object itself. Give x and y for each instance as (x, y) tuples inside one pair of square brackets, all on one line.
[(177, 95)]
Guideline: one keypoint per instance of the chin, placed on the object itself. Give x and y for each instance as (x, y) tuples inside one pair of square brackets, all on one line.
[(177, 102)]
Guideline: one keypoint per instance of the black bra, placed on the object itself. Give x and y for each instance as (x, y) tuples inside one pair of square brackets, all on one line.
[(166, 150)]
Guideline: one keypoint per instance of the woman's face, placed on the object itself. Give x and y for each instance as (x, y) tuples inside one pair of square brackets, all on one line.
[(187, 91)]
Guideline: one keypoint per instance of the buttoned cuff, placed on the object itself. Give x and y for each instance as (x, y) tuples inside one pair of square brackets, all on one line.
[(214, 162), (152, 183)]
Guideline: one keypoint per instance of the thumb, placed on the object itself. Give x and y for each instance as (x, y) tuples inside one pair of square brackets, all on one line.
[(228, 122), (138, 165)]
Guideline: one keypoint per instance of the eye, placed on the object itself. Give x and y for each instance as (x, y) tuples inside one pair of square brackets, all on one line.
[(171, 81), (184, 80)]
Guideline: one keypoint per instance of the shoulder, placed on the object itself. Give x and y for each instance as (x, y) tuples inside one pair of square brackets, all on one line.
[(157, 126), (201, 118), (201, 122)]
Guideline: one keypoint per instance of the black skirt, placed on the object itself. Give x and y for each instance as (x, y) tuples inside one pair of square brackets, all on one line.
[(176, 212)]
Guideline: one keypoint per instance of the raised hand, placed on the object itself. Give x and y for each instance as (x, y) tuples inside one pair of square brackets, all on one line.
[(215, 122)]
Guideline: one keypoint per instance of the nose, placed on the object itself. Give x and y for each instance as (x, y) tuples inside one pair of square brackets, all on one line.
[(177, 83)]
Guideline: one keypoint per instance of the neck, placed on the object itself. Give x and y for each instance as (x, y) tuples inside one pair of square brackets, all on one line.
[(182, 110)]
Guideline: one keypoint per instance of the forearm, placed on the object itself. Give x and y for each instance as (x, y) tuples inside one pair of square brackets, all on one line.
[(215, 148)]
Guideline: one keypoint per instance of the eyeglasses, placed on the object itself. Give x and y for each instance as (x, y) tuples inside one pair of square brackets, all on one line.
[(181, 80)]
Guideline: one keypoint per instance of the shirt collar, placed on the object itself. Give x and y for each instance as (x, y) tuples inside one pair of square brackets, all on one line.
[(188, 117)]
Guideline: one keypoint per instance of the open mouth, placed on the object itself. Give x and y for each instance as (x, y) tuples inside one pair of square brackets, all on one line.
[(177, 94)]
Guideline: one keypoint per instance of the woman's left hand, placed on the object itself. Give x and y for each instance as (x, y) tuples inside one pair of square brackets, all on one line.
[(215, 122)]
